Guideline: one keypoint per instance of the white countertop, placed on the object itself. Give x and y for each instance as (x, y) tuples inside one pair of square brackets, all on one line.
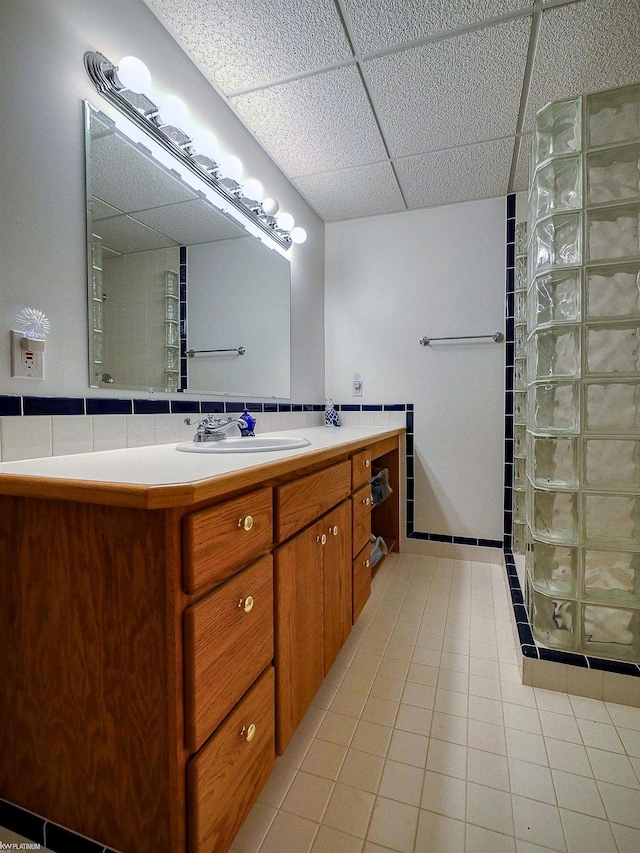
[(163, 465)]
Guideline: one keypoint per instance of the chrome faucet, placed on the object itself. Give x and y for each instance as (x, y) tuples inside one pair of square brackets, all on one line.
[(215, 429)]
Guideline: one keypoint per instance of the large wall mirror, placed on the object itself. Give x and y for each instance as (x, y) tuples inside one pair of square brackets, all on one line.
[(170, 272)]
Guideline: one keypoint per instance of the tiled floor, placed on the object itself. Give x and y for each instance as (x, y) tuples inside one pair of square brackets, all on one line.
[(422, 738)]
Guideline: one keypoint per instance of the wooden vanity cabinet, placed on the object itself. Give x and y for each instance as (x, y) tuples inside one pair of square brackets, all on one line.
[(313, 619), (145, 633)]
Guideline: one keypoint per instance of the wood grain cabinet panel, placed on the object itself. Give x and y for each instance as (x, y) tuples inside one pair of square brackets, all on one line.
[(337, 595), (228, 642), (304, 500), (361, 469), (226, 776), (361, 580), (361, 501), (219, 540)]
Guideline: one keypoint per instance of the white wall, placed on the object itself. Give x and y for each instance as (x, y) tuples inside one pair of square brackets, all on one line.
[(389, 281), (42, 214)]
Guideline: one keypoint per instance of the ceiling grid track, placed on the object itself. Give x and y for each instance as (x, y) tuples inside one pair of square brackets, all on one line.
[(526, 83)]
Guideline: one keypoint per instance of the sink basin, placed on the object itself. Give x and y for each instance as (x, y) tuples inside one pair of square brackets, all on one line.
[(248, 444)]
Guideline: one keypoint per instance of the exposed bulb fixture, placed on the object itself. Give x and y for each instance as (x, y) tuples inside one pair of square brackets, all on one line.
[(298, 235), (134, 74), (206, 143), (285, 221), (195, 147), (270, 206), (173, 111), (252, 188), (231, 166)]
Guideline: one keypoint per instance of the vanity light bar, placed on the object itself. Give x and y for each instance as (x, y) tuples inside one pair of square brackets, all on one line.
[(103, 75)]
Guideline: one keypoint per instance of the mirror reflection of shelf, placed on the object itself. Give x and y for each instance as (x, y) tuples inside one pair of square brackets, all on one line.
[(172, 283)]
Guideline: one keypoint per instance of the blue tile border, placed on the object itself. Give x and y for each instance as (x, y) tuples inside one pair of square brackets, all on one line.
[(531, 650)]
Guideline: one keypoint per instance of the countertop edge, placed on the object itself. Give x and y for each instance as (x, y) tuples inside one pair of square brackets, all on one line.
[(172, 495)]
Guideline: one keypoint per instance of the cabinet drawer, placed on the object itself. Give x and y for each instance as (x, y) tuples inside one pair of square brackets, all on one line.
[(361, 580), (221, 539), (360, 469), (361, 518), (228, 642), (304, 500), (226, 776)]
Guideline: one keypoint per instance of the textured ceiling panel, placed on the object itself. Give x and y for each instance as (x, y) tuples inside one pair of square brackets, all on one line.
[(458, 174), (191, 222), (124, 235), (363, 191), (521, 176), (584, 47), (140, 182), (316, 124), (239, 44), (458, 90), (378, 24)]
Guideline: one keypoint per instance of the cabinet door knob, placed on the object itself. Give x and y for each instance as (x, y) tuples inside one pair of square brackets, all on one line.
[(323, 539), (248, 732), (366, 501), (366, 463), (246, 523), (367, 564), (246, 603), (334, 530)]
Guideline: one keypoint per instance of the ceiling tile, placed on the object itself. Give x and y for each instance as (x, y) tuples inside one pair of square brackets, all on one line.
[(377, 24), (317, 124), (459, 90), (457, 174), (582, 48), (238, 45), (191, 222), (521, 175), (124, 235), (363, 191)]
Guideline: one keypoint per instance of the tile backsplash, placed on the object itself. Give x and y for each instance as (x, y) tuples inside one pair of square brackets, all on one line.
[(32, 427)]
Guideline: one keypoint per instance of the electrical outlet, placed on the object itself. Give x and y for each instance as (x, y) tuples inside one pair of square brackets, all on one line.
[(26, 361), (357, 387)]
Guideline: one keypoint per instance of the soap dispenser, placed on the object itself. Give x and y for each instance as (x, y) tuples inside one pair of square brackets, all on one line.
[(251, 424), (331, 417)]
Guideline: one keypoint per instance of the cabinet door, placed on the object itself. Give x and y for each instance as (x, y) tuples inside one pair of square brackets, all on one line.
[(337, 581), (299, 654)]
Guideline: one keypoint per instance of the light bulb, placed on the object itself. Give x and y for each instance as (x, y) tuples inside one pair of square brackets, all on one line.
[(298, 235), (173, 111), (205, 142), (134, 74), (231, 167), (285, 221), (270, 206), (253, 189)]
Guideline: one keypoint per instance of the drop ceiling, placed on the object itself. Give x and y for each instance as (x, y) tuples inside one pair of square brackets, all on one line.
[(376, 106)]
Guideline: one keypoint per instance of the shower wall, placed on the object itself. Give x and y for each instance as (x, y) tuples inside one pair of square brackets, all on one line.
[(583, 368)]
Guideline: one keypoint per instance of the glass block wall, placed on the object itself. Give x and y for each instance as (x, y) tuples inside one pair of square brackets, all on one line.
[(583, 369), (520, 393)]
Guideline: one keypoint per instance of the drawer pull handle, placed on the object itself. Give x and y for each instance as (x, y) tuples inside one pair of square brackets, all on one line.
[(366, 463), (246, 523), (322, 539), (367, 564), (246, 604), (334, 530), (366, 501), (248, 732)]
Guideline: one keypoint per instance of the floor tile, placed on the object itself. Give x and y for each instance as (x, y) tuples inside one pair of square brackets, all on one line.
[(337, 728), (324, 759), (289, 832), (444, 795), (361, 770), (527, 746), (538, 822), (408, 748), (600, 735), (377, 710), (449, 727), (627, 839), (308, 796), (437, 832), (447, 758), (489, 807), (411, 718), (393, 825), (560, 726), (622, 804), (487, 736), (587, 834), (611, 767), (349, 810), (480, 840), (487, 768), (401, 782), (571, 757), (372, 737), (531, 780), (578, 794), (329, 840)]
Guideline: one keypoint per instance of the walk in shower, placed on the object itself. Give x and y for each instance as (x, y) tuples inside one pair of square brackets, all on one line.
[(577, 368)]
